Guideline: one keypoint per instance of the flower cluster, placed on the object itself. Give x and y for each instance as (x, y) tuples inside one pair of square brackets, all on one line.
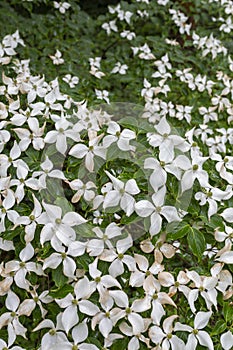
[(116, 222)]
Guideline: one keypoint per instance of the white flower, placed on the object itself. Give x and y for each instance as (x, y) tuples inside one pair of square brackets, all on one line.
[(82, 190), (23, 266), (205, 286), (62, 6), (55, 336), (165, 337), (166, 141), (82, 290), (122, 193), (57, 58), (96, 246), (128, 34), (56, 229), (144, 208), (118, 258), (227, 340), (196, 334), (47, 172), (63, 130), (80, 151), (193, 170), (111, 26), (121, 137), (71, 80), (79, 333), (102, 95), (211, 196), (120, 68), (11, 319)]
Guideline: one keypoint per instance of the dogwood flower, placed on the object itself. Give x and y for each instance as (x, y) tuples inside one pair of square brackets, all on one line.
[(55, 336), (166, 141), (165, 338), (227, 340), (212, 196), (82, 189), (34, 135), (80, 151), (62, 6), (95, 247), (205, 286), (122, 138), (155, 298), (82, 290), (79, 334), (118, 258), (57, 58), (63, 131), (110, 26), (47, 172), (56, 229), (102, 95), (23, 266), (134, 343), (11, 318), (197, 335), (71, 80), (156, 210), (120, 68), (122, 194)]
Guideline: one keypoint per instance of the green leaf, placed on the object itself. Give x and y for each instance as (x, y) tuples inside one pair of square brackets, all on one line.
[(228, 312), (219, 327), (58, 277), (196, 241), (181, 232), (61, 292)]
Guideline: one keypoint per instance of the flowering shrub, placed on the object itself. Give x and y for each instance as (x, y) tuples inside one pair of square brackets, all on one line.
[(116, 220)]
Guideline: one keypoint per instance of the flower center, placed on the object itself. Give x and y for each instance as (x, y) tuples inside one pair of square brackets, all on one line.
[(155, 296), (22, 264), (176, 284), (169, 336), (128, 310), (195, 167), (195, 331), (120, 256), (52, 332), (63, 255), (75, 302), (32, 217), (13, 314), (58, 221), (97, 279)]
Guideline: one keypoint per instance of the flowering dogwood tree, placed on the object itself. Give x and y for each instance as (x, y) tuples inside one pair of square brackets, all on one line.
[(116, 219)]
